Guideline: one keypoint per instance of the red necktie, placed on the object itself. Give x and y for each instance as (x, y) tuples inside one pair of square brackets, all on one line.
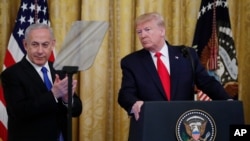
[(164, 75)]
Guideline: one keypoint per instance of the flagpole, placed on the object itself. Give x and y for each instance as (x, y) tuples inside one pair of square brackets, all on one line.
[(36, 15), (69, 70)]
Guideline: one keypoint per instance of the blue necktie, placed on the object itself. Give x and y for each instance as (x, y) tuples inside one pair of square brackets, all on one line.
[(46, 78)]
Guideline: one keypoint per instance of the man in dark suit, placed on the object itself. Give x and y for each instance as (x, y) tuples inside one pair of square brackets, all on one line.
[(140, 79), (35, 112)]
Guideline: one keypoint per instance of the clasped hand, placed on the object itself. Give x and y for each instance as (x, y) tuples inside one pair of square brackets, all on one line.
[(60, 88)]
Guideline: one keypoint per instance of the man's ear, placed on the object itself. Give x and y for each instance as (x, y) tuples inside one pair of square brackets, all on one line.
[(54, 43), (25, 44), (163, 32)]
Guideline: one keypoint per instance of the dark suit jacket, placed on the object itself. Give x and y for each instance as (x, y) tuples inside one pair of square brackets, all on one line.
[(33, 113), (140, 80)]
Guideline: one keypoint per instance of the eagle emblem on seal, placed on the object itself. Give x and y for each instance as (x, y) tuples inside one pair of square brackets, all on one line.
[(195, 125)]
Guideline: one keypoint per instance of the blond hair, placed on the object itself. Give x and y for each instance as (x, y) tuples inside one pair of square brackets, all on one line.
[(149, 17)]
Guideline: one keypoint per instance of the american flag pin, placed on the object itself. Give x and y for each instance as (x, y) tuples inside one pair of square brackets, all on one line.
[(176, 57)]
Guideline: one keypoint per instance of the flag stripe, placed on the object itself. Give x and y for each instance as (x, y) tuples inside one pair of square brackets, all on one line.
[(3, 117), (10, 61), (13, 53), (3, 133), (13, 48)]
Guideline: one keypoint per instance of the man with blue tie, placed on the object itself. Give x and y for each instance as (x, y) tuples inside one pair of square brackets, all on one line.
[(36, 94), (141, 77)]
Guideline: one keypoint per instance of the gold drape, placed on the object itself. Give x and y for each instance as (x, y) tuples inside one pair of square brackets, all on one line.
[(102, 118)]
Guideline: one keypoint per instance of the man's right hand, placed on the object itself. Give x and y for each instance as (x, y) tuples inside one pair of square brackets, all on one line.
[(60, 87), (137, 108)]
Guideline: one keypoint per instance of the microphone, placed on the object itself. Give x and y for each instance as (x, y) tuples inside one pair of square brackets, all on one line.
[(184, 52)]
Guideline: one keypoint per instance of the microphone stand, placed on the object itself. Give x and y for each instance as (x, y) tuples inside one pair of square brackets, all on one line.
[(69, 70), (186, 53)]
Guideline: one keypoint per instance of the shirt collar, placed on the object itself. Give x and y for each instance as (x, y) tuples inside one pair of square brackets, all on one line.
[(38, 68), (163, 51)]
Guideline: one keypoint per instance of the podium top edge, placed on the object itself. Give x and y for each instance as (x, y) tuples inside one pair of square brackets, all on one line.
[(215, 101)]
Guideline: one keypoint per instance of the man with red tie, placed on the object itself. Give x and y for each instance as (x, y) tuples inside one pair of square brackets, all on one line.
[(141, 77)]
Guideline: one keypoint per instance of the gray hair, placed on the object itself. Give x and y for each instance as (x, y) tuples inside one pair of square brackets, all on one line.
[(38, 26)]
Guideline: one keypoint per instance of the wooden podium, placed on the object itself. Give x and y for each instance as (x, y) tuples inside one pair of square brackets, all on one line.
[(172, 121)]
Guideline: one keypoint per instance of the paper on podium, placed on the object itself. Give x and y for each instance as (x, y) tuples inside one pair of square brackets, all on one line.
[(81, 45)]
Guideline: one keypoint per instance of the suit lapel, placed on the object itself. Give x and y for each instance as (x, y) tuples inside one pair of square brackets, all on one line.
[(149, 66), (174, 59), (32, 73)]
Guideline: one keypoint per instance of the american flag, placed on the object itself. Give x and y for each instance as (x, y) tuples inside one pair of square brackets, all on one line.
[(30, 12), (214, 43)]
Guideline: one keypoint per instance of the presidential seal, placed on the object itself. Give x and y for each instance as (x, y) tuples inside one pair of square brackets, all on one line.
[(195, 125)]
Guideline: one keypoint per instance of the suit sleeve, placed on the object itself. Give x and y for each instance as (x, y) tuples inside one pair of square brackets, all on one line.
[(207, 83), (127, 94)]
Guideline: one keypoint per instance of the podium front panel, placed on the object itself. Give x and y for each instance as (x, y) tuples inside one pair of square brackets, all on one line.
[(159, 120)]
